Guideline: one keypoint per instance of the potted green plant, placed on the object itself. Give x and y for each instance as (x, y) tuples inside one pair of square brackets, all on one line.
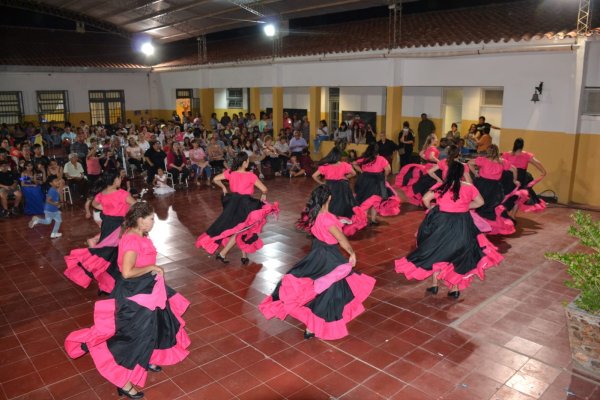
[(583, 313)]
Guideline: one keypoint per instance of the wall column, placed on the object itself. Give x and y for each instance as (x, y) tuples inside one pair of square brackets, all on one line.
[(393, 118), (207, 104), (277, 110), (314, 112), (254, 101)]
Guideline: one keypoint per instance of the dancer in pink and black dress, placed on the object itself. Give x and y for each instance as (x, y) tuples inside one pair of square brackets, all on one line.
[(321, 290), (373, 193), (488, 183), (139, 328), (99, 262), (522, 197), (243, 216), (413, 179), (439, 171), (335, 173), (450, 248)]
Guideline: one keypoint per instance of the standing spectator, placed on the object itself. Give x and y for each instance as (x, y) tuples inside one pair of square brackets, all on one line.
[(287, 121), (407, 141), (8, 187), (297, 144), (482, 125), (213, 121), (305, 128), (94, 170), (75, 175), (79, 147), (386, 148), (155, 159), (225, 119), (426, 127), (371, 135)]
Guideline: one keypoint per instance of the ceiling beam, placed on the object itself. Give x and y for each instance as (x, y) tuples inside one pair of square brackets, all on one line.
[(37, 6), (164, 12), (127, 6)]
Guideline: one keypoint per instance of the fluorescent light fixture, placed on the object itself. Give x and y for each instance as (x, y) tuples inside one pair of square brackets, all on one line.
[(147, 48), (270, 30)]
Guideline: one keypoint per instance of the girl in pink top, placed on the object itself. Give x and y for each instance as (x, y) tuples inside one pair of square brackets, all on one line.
[(450, 248), (243, 216), (490, 169), (200, 163), (321, 290), (335, 173), (413, 179), (440, 171), (373, 193), (140, 327), (525, 199), (98, 261)]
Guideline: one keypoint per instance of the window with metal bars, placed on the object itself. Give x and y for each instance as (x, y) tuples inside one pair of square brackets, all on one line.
[(591, 103), (235, 98), (53, 106), (11, 107), (334, 109), (184, 93), (107, 106)]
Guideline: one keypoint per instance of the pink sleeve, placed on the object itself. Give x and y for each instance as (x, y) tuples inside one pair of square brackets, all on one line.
[(129, 243), (435, 152), (322, 170), (383, 162), (98, 198), (227, 174), (347, 168), (530, 156), (505, 164), (479, 161), (252, 178), (474, 192)]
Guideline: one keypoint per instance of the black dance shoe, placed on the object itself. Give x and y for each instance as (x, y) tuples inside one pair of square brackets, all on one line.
[(308, 335), (433, 290), (455, 294), (127, 393), (102, 293), (222, 259), (154, 368), (373, 223), (245, 260)]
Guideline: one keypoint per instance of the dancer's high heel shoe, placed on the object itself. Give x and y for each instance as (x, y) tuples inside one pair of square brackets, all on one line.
[(222, 259), (455, 294), (308, 335), (127, 393), (154, 368), (433, 289), (245, 260)]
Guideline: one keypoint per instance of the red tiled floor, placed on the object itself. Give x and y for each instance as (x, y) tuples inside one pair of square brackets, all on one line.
[(406, 345)]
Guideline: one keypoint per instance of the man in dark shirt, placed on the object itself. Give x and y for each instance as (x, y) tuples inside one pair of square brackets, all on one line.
[(39, 158), (155, 159), (8, 187), (225, 119), (386, 148), (482, 126), (426, 128)]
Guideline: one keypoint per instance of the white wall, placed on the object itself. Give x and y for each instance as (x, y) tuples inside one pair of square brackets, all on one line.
[(370, 99), (592, 74), (296, 97), (138, 92), (471, 103), (266, 98), (419, 100)]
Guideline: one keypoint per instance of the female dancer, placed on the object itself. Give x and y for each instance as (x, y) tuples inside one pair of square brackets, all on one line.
[(489, 186), (335, 174), (450, 248), (373, 193), (139, 327), (243, 216), (526, 199), (413, 179), (98, 262), (321, 290)]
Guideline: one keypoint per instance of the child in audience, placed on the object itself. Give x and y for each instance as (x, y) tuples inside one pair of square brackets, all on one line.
[(51, 210), (160, 184), (294, 168)]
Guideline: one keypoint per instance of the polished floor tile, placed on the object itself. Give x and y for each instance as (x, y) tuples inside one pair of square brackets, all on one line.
[(505, 338)]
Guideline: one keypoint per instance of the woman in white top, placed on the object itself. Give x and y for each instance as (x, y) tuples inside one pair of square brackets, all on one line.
[(283, 151)]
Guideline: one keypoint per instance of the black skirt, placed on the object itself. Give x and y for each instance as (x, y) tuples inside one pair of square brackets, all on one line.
[(109, 224), (236, 208), (492, 193), (371, 184), (342, 199)]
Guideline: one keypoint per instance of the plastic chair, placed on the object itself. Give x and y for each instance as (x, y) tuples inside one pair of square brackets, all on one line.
[(67, 193)]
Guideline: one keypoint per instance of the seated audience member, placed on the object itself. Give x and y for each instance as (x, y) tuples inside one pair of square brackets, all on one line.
[(155, 159), (110, 162), (39, 157), (283, 151), (177, 163), (322, 135), (294, 168), (306, 162), (134, 153), (8, 188), (216, 155), (453, 134), (200, 163), (484, 141), (75, 176), (297, 144), (443, 147), (271, 156)]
